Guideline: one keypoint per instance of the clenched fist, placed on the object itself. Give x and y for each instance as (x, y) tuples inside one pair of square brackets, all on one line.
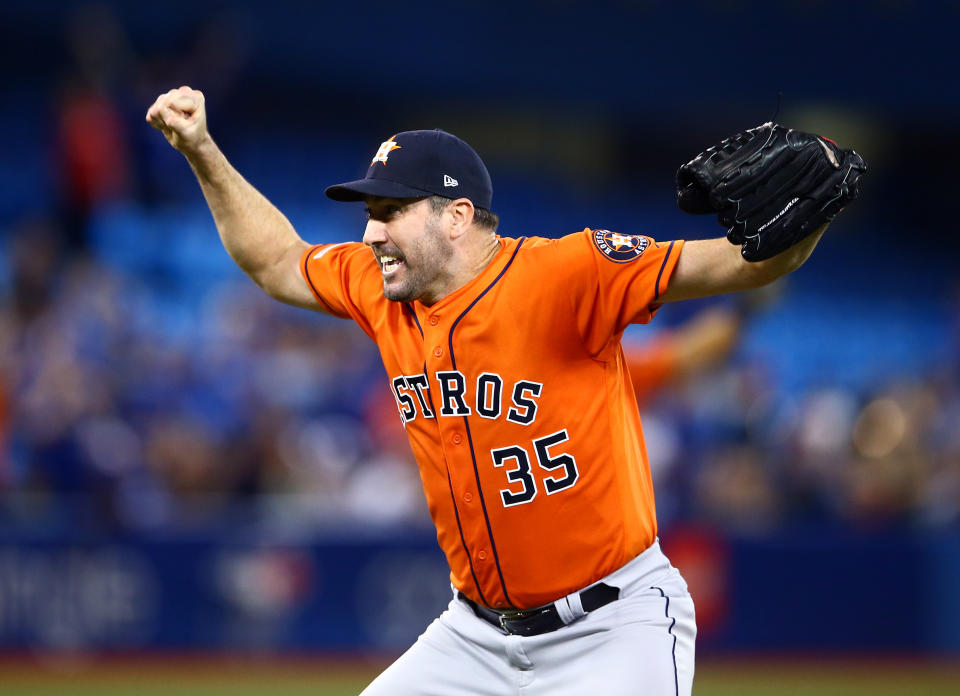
[(181, 116)]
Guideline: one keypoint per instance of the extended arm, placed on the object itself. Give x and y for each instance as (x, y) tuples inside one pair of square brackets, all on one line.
[(715, 266), (258, 237)]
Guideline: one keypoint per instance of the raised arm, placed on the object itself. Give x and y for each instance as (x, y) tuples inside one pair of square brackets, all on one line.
[(714, 266), (258, 237)]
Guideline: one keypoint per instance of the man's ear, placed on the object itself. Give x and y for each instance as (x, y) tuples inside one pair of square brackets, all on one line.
[(461, 216)]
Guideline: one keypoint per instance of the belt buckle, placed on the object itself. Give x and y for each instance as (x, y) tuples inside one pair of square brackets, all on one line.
[(511, 616)]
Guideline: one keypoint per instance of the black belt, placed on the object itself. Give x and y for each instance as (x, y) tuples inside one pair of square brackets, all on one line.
[(533, 622)]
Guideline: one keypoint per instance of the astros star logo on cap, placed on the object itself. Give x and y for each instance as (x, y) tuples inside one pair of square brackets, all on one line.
[(386, 147)]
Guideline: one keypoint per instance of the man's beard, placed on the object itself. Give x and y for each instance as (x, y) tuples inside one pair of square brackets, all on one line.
[(430, 254)]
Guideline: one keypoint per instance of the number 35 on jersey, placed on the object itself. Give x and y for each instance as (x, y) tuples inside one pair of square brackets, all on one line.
[(414, 398)]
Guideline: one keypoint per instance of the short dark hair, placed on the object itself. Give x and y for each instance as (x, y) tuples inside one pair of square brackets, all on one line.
[(481, 216)]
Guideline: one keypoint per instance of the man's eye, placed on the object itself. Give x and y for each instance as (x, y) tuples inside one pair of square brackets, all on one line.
[(384, 213)]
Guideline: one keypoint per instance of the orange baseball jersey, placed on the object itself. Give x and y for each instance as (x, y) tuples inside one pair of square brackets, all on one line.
[(516, 399)]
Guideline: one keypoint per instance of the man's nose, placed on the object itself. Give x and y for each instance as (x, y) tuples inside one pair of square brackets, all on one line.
[(375, 233)]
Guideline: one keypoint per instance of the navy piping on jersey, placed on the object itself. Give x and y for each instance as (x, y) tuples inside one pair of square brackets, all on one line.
[(656, 290), (453, 497), (466, 423), (673, 622), (417, 322)]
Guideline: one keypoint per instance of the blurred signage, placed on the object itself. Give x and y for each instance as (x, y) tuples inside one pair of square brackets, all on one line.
[(378, 595), (71, 596)]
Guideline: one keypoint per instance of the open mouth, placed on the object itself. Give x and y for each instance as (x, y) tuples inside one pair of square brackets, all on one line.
[(389, 264)]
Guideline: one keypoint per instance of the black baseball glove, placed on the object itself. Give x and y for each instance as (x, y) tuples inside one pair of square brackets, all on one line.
[(770, 186)]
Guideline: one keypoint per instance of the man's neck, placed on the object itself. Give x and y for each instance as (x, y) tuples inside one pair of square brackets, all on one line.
[(467, 264)]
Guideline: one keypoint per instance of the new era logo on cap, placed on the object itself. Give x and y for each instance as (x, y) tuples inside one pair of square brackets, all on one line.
[(417, 164)]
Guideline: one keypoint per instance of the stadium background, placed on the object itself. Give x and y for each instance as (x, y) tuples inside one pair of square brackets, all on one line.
[(199, 484)]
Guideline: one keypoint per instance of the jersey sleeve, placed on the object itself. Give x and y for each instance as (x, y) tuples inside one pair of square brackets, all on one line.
[(344, 279), (614, 280)]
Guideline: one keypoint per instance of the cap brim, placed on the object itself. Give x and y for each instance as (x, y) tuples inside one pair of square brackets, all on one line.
[(358, 190)]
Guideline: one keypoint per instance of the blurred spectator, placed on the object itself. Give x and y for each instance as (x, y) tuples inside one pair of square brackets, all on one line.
[(737, 492), (93, 143), (35, 255)]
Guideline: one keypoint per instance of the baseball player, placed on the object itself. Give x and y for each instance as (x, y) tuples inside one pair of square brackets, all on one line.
[(690, 349), (699, 344), (505, 360)]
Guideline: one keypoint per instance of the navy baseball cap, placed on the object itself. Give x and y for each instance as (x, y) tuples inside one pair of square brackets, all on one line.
[(420, 163)]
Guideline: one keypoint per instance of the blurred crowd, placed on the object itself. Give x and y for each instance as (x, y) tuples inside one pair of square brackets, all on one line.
[(729, 450), (129, 404), (129, 401), (111, 417)]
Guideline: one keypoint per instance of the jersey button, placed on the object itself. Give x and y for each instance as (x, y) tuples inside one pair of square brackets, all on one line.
[(482, 555), (434, 320), (467, 497), (438, 352), (457, 438)]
